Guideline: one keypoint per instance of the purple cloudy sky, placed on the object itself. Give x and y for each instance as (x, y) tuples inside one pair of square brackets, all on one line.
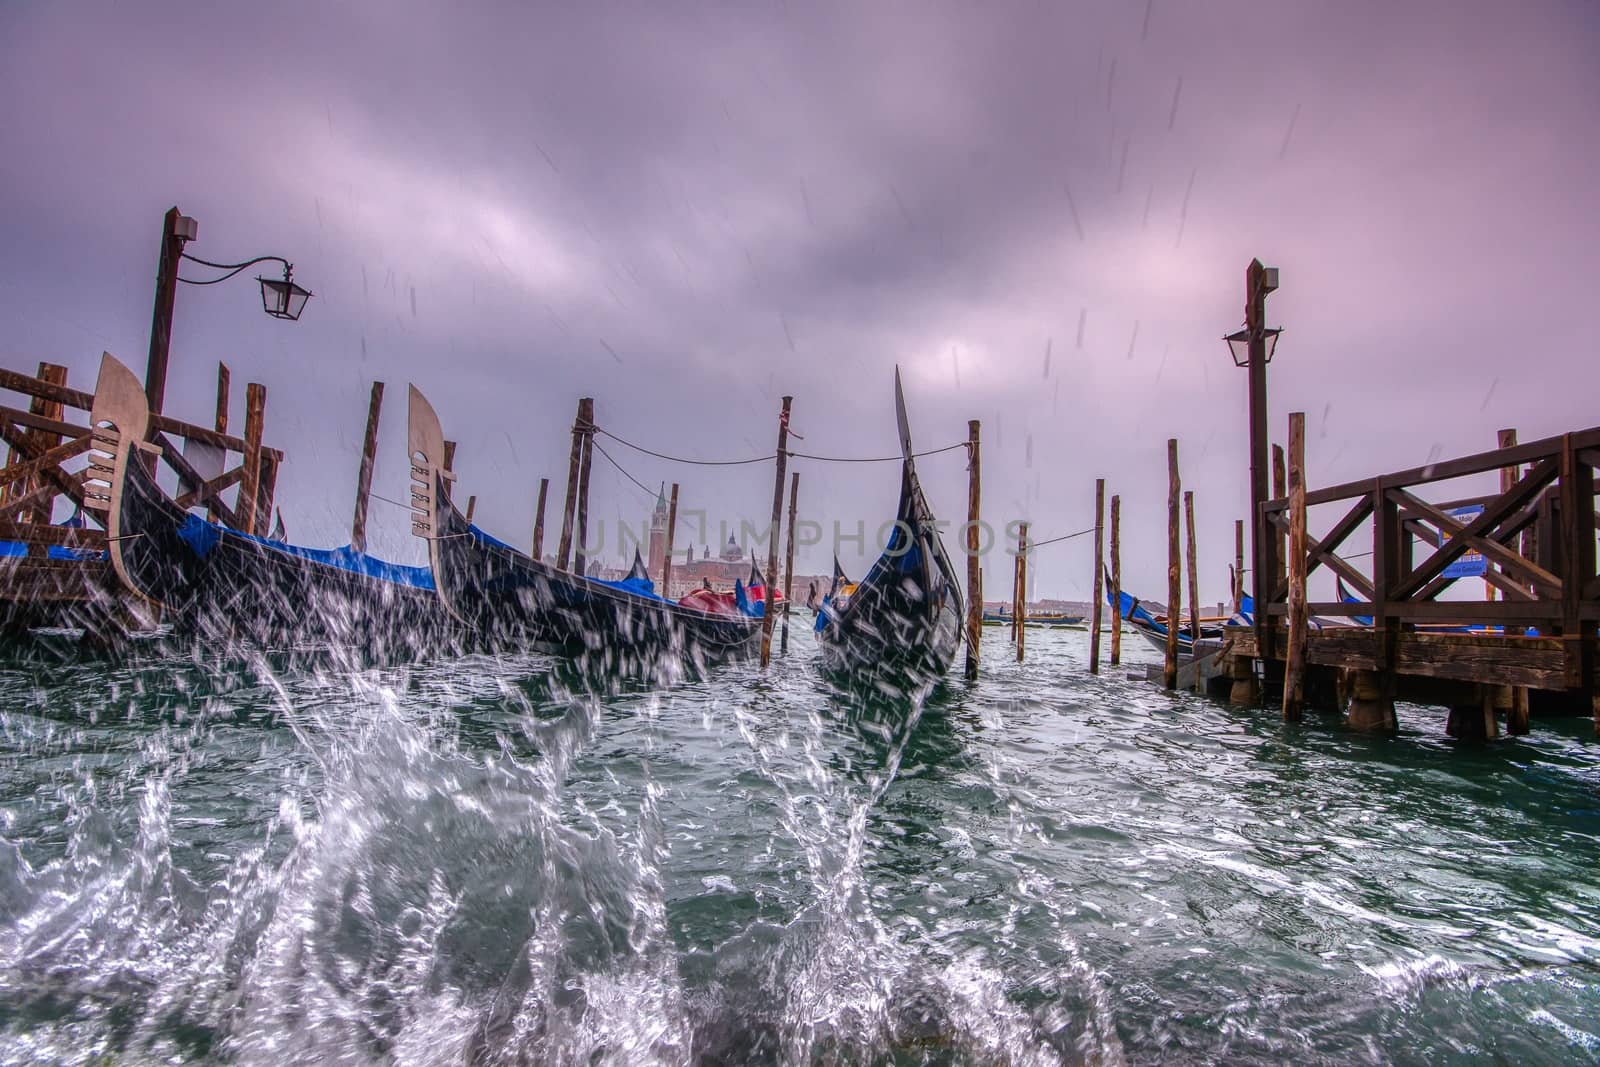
[(1041, 211)]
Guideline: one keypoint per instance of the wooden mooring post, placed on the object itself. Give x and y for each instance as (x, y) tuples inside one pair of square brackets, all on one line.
[(1238, 566), (1020, 608), (255, 415), (974, 568), (369, 455), (788, 557), (1280, 489), (538, 520), (772, 532), (1513, 699), (1099, 574), (224, 388), (580, 548), (666, 557), (1169, 676), (1190, 557), (1295, 655), (570, 507), (1116, 580)]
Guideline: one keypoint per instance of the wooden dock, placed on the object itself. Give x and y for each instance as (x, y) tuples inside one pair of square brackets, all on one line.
[(64, 579), (1530, 649)]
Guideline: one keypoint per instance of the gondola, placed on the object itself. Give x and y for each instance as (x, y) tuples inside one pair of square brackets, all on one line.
[(219, 583), (899, 628), (1154, 629), (513, 601)]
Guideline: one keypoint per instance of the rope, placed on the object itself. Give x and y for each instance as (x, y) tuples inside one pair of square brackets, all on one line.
[(1064, 537), (625, 474), (768, 458)]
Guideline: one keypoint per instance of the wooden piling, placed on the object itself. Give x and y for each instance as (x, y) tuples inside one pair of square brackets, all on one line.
[(1513, 698), (472, 506), (255, 410), (449, 455), (40, 442), (772, 531), (1019, 609), (974, 570), (369, 455), (1295, 656), (666, 558), (788, 560), (580, 549), (1190, 556), (538, 521), (1116, 580), (1099, 574), (1169, 675), (1238, 566), (570, 507), (1279, 491), (224, 388)]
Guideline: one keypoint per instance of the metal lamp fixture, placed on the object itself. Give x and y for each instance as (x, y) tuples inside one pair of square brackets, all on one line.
[(1239, 344), (282, 298)]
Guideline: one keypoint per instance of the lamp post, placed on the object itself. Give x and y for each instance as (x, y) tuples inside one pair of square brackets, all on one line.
[(280, 298), (1252, 348)]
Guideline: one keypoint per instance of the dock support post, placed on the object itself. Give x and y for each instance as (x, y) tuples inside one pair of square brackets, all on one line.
[(666, 557), (1295, 656), (788, 556), (1099, 573), (580, 548), (1513, 698), (570, 507), (1371, 704), (538, 520), (1474, 720), (41, 441), (369, 453), (1238, 566), (1190, 556), (1280, 489), (224, 387), (1116, 580), (1020, 610), (974, 570), (772, 532), (1169, 676), (255, 409)]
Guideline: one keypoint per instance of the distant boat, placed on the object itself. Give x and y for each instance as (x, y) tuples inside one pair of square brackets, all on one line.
[(901, 624), (1037, 618)]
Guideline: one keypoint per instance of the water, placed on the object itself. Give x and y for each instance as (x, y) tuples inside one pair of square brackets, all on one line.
[(472, 862)]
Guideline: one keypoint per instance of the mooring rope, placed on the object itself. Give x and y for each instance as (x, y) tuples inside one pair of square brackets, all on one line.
[(772, 456), (1064, 537)]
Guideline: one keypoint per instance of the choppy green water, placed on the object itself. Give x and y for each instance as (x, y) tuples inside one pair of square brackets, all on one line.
[(469, 863)]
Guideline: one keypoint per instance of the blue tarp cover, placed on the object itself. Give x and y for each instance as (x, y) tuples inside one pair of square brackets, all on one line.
[(202, 537)]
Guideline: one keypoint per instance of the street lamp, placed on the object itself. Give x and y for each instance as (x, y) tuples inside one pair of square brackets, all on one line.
[(1239, 344), (1252, 348), (280, 298)]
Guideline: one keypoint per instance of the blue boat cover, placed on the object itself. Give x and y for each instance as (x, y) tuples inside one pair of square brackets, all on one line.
[(19, 549), (202, 537)]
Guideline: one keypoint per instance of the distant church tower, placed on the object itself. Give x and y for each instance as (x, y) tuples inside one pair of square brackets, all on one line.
[(658, 536)]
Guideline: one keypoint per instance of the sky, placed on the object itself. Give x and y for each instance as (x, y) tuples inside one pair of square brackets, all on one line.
[(1041, 212)]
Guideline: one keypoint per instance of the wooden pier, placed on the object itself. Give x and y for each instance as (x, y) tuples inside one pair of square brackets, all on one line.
[(1532, 648), (63, 579)]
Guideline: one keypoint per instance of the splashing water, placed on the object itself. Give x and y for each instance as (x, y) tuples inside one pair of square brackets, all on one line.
[(248, 861)]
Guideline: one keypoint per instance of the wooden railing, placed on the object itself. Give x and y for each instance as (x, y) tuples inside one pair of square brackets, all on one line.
[(43, 446), (1537, 538)]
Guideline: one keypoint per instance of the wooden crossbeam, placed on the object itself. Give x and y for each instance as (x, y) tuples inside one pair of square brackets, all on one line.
[(1457, 532), (174, 459), (1318, 554), (20, 442), (24, 503), (1505, 534), (35, 533), (207, 493), (16, 472), (1472, 535), (78, 398)]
